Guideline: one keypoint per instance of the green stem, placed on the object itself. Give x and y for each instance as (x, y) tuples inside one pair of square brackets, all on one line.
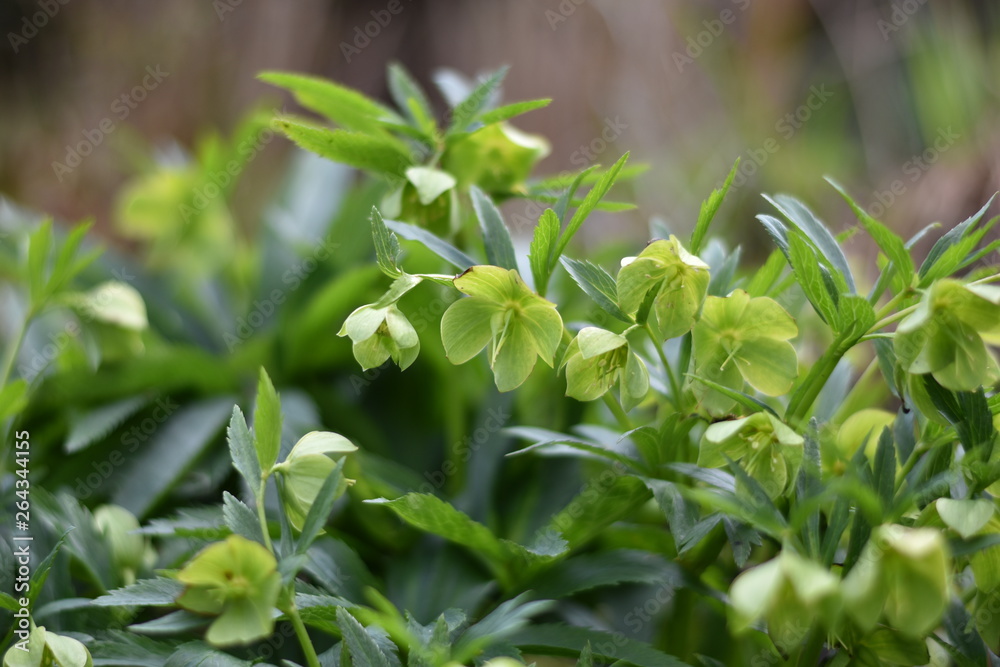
[(10, 354), (802, 400), (300, 631), (675, 387), (895, 317), (262, 515), (809, 656), (617, 410)]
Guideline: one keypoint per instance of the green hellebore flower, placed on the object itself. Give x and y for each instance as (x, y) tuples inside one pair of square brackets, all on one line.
[(379, 333), (943, 336), (311, 461), (596, 360), (862, 429), (770, 450), (741, 339), (903, 573), (238, 581), (497, 158), (502, 312), (678, 278), (790, 593), (47, 649), (128, 548)]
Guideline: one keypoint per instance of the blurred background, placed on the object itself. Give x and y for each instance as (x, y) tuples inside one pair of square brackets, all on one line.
[(897, 100)]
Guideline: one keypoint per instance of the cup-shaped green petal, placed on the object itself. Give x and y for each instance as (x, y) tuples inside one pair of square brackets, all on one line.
[(501, 313), (381, 333), (902, 574), (119, 526), (771, 452), (740, 339), (47, 649), (944, 335), (238, 581), (678, 279), (596, 360), (790, 593), (310, 462)]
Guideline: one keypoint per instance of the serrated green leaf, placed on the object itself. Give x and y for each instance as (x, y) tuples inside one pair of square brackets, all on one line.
[(463, 113), (598, 285), (169, 454), (378, 154), (509, 111), (39, 244), (242, 450), (950, 239), (806, 221), (411, 99), (438, 246), (806, 266), (363, 649), (266, 422), (386, 246), (589, 203), (499, 247), (344, 106), (158, 592), (241, 519), (890, 243), (708, 210), (540, 251)]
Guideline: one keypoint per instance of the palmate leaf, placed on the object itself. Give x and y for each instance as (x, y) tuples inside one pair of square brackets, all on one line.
[(806, 221), (954, 236), (242, 450), (241, 519), (411, 99)]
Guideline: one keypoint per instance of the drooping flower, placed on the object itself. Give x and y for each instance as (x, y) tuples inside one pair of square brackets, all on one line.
[(902, 574), (770, 451), (379, 333), (128, 548), (596, 360), (741, 339), (236, 580), (47, 649), (503, 313), (944, 335), (677, 279), (790, 593), (312, 460)]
